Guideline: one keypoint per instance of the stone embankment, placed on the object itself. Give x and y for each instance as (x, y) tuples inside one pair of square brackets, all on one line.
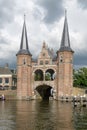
[(8, 94), (11, 94)]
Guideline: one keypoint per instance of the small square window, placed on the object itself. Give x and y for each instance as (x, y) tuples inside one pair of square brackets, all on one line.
[(6, 80), (46, 62), (41, 62), (43, 54)]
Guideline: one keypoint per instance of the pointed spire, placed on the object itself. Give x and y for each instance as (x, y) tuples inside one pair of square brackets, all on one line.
[(65, 42), (24, 41)]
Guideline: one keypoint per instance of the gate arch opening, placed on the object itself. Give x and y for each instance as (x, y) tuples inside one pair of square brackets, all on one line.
[(45, 91)]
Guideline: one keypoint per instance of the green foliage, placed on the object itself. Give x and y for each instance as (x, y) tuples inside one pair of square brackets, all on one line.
[(80, 78), (47, 76), (37, 77)]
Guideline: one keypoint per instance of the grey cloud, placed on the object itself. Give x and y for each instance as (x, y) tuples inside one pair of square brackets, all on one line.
[(11, 60), (6, 11), (37, 14), (82, 3), (3, 41), (80, 59), (54, 9)]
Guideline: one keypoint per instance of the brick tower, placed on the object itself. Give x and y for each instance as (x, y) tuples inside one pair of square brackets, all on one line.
[(24, 67), (65, 65)]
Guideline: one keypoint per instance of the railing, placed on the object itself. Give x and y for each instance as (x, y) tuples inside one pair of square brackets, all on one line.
[(44, 64)]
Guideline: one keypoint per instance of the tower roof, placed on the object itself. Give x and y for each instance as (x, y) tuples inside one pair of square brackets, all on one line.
[(65, 41), (24, 41)]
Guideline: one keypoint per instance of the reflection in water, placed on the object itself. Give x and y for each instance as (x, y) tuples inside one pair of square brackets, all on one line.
[(53, 116), (44, 115), (41, 115), (80, 118), (7, 115), (45, 118)]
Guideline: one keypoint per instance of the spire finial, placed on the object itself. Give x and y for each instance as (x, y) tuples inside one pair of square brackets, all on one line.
[(24, 17), (65, 13)]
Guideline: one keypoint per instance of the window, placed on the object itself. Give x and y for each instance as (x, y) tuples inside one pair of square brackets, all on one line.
[(24, 61), (71, 60), (6, 80), (46, 62), (61, 58), (41, 62), (0, 80), (43, 54)]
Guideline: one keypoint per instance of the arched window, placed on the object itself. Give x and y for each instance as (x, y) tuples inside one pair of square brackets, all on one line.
[(38, 75), (50, 74)]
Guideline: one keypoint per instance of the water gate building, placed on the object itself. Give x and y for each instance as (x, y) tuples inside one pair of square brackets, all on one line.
[(49, 75)]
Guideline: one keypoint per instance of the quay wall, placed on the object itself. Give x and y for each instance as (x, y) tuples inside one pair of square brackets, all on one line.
[(9, 94), (12, 94), (78, 91)]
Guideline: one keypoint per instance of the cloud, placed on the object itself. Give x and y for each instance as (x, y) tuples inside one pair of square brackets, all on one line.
[(44, 21), (80, 59), (3, 41), (82, 3), (53, 10), (11, 61), (6, 12)]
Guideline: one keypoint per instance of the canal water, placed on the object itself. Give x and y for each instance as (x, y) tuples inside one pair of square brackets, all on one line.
[(41, 115)]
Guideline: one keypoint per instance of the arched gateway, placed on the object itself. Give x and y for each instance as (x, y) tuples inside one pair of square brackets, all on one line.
[(49, 75), (44, 91)]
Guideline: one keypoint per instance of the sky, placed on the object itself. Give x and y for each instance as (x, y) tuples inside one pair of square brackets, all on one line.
[(44, 22)]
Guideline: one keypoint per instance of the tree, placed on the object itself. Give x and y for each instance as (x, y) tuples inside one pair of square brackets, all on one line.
[(47, 76), (80, 78), (38, 77)]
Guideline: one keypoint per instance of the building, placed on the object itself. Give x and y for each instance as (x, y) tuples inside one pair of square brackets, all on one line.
[(5, 78), (8, 78), (48, 75)]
